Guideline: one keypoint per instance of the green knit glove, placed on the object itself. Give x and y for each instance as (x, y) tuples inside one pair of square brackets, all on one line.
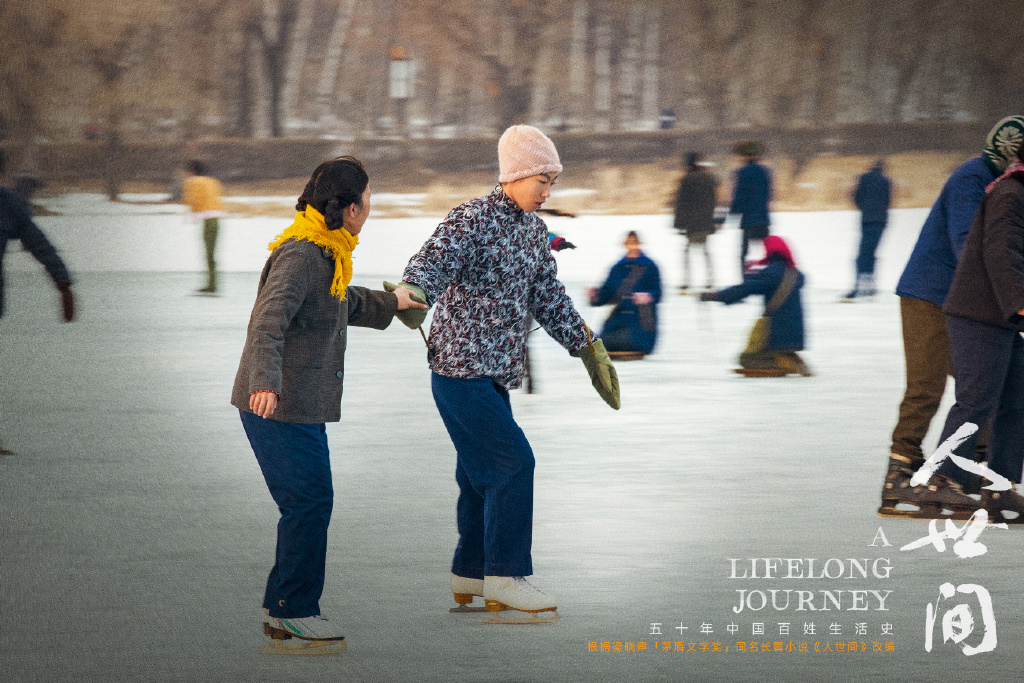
[(410, 317), (602, 372)]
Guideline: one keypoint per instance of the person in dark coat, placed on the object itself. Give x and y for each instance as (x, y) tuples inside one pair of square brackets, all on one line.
[(695, 215), (922, 291), (634, 288), (786, 334), (289, 384), (752, 192), (984, 318), (872, 197), (16, 224)]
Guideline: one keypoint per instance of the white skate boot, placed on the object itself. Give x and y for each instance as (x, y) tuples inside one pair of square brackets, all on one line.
[(515, 593), (315, 634), (464, 589)]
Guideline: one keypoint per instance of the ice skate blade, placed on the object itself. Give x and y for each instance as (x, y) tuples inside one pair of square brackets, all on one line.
[(925, 512), (467, 609), (996, 516), (304, 647), (534, 618), (759, 372)]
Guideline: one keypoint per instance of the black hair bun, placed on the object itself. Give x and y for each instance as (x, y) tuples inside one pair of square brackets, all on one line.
[(334, 214)]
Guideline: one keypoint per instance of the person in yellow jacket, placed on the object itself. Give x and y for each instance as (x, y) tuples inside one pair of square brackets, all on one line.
[(202, 195)]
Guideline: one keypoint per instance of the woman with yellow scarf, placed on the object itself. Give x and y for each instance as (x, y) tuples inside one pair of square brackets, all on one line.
[(289, 385)]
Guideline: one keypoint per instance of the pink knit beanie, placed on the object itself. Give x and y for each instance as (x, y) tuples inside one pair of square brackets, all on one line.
[(524, 151)]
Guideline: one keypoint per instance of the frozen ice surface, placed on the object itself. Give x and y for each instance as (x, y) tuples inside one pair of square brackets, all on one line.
[(137, 530)]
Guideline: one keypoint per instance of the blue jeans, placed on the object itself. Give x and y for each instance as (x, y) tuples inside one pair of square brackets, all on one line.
[(988, 364), (870, 236), (296, 466), (494, 471)]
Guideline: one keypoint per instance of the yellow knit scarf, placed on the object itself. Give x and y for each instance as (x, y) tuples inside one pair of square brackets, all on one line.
[(309, 225)]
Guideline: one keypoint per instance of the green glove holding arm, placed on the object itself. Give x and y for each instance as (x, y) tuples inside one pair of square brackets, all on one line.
[(410, 317), (602, 372)]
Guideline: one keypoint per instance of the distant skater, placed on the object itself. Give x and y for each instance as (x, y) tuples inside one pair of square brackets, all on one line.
[(16, 224), (289, 384), (779, 334), (872, 197), (633, 287), (751, 195), (203, 195), (695, 216)]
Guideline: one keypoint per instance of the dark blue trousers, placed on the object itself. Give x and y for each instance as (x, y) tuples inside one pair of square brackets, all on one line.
[(870, 236), (296, 466), (494, 471), (988, 365)]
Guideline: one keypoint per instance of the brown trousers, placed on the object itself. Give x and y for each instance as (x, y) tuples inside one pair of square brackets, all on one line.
[(928, 363)]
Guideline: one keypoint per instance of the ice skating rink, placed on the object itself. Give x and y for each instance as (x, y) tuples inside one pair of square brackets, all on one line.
[(137, 532)]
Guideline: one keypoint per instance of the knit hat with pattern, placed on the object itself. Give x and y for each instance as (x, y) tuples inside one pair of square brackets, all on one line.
[(524, 151), (1002, 142)]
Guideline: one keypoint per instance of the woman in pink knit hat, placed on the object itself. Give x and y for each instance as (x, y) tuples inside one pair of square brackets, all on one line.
[(487, 268)]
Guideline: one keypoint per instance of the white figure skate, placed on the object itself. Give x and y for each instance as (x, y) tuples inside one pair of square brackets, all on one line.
[(503, 593), (315, 636), (465, 589)]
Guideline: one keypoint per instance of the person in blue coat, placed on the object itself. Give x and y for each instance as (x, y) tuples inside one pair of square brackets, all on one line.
[(922, 290), (751, 194), (872, 197), (634, 287), (778, 355)]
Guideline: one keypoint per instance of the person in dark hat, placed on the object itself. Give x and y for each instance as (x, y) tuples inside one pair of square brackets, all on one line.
[(751, 195)]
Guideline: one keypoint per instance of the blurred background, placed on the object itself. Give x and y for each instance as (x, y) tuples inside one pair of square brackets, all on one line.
[(117, 94)]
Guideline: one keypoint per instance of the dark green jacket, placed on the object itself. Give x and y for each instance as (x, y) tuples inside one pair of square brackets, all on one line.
[(297, 334)]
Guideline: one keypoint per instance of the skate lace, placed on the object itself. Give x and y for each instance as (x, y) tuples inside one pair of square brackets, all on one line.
[(521, 583)]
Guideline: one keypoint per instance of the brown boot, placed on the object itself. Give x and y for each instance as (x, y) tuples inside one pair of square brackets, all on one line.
[(998, 503)]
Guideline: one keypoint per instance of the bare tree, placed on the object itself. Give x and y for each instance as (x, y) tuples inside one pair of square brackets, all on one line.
[(507, 41), (271, 24), (325, 98), (30, 79)]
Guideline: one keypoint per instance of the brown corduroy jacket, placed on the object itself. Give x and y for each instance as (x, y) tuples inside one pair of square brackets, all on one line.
[(988, 286), (295, 344)]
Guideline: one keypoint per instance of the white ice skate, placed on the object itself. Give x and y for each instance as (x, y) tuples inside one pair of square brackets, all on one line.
[(315, 636), (503, 593), (464, 589)]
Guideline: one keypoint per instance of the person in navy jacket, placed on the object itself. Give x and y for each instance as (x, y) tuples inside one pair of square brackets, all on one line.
[(922, 290), (786, 335), (872, 197), (634, 287), (751, 194)]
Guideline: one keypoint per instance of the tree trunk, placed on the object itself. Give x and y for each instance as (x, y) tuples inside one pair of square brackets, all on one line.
[(650, 109), (602, 73), (578, 62), (296, 59), (332, 61), (112, 155)]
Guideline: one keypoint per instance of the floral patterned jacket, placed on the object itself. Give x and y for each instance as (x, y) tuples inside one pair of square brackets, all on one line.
[(488, 267)]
